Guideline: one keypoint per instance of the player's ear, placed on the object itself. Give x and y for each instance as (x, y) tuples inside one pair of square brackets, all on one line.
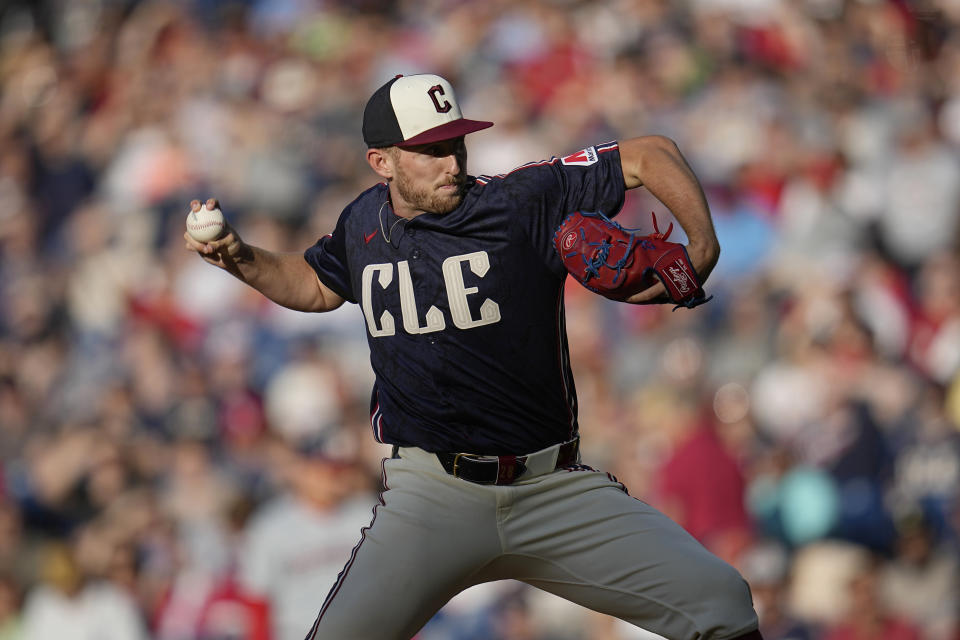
[(381, 161)]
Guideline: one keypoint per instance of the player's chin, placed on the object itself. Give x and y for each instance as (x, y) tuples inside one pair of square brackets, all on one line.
[(446, 202)]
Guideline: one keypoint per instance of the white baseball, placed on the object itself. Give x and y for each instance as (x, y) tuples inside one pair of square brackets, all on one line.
[(205, 225)]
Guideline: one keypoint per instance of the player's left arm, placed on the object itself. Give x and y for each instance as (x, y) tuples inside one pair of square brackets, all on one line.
[(656, 163)]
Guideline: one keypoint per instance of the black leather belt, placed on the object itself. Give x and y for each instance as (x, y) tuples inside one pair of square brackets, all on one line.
[(500, 470)]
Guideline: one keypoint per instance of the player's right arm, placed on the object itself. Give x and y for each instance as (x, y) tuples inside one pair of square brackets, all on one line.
[(285, 278)]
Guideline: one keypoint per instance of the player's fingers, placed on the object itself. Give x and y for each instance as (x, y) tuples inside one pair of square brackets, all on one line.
[(656, 294), (193, 245), (203, 248), (226, 243), (194, 205), (212, 203), (232, 245)]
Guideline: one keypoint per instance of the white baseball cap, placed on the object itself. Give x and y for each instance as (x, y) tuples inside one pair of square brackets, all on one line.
[(411, 110)]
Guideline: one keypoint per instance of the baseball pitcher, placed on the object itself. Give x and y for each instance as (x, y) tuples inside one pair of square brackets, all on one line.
[(460, 281)]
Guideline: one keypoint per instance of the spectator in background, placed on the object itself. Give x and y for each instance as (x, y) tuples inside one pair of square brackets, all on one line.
[(866, 617), (927, 463), (17, 551), (230, 610), (295, 543), (921, 583), (66, 602), (935, 339), (919, 221), (710, 503), (767, 568), (11, 598)]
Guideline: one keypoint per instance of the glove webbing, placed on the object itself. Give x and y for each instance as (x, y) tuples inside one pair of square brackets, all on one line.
[(594, 264)]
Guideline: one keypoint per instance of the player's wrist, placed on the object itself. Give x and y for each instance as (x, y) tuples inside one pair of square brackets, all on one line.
[(707, 247), (704, 254), (242, 252)]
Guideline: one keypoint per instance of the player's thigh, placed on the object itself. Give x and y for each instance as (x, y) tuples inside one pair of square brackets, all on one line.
[(427, 539), (588, 541)]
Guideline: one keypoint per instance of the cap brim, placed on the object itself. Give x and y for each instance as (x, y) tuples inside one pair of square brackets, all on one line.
[(446, 131)]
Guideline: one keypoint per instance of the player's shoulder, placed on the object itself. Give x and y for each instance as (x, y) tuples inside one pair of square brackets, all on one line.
[(540, 170), (589, 156), (521, 173)]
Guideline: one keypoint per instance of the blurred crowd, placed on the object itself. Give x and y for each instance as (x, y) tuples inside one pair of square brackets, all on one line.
[(182, 459)]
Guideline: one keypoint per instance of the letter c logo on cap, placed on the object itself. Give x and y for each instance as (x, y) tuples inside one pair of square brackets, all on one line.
[(433, 92)]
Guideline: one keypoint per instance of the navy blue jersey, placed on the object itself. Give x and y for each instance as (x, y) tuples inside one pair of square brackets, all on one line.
[(464, 310)]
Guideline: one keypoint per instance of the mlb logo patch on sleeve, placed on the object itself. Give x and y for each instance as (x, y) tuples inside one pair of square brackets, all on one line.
[(583, 158)]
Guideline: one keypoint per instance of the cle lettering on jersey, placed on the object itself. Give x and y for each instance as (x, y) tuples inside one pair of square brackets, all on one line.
[(457, 292), (464, 311)]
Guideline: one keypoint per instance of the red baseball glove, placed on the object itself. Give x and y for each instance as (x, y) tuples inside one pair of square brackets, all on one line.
[(617, 263)]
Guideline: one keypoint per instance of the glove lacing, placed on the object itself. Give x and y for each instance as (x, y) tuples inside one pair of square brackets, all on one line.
[(599, 259), (593, 265)]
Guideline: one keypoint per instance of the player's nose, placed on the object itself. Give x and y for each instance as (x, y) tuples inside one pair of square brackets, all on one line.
[(453, 162)]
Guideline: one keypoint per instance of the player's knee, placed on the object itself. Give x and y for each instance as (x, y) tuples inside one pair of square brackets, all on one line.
[(727, 607), (731, 586)]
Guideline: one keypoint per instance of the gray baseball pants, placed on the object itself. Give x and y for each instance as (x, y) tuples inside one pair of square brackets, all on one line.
[(575, 533)]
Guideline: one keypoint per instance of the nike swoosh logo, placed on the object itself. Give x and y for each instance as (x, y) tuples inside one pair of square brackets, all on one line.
[(368, 238)]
